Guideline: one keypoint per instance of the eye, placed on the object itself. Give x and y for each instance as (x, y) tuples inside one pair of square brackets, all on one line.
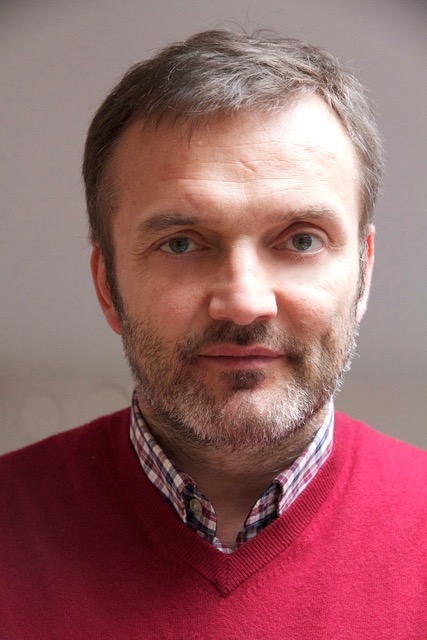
[(303, 243), (178, 245)]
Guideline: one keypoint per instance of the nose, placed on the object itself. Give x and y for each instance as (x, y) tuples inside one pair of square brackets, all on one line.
[(243, 291)]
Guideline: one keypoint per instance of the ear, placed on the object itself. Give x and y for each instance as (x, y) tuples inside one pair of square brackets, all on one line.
[(367, 273), (99, 275)]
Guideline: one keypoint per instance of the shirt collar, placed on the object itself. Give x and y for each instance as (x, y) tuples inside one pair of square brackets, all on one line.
[(194, 508)]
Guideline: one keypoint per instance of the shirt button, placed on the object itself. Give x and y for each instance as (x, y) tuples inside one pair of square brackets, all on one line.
[(195, 506)]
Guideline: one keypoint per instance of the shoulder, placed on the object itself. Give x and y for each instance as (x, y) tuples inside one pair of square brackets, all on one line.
[(62, 449), (374, 442), (382, 462)]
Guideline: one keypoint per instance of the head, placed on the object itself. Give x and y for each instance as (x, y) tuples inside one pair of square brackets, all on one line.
[(223, 73), (230, 185)]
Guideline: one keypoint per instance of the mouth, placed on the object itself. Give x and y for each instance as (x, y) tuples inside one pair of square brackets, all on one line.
[(239, 358)]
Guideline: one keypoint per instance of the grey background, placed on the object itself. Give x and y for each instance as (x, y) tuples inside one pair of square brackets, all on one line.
[(60, 363)]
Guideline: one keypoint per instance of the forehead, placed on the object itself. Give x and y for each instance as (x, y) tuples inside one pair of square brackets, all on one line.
[(248, 154)]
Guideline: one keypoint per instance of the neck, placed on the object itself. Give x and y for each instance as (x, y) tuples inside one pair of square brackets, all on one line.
[(231, 479)]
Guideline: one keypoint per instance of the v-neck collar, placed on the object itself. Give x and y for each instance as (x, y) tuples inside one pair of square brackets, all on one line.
[(224, 572)]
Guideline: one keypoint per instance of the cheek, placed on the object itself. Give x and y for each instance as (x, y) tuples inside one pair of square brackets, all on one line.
[(314, 293), (173, 311), (313, 310), (312, 318)]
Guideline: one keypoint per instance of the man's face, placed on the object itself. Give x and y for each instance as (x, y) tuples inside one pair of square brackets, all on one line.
[(237, 266)]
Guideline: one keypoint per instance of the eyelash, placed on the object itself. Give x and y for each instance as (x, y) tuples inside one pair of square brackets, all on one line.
[(314, 238), (279, 246), (176, 238)]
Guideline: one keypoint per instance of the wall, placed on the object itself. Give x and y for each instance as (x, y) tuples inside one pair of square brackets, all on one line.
[(60, 364)]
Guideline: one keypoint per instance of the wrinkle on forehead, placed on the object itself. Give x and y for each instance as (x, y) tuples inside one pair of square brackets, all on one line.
[(272, 153), (258, 131)]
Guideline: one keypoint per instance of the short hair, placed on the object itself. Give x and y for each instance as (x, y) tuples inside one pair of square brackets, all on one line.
[(222, 72)]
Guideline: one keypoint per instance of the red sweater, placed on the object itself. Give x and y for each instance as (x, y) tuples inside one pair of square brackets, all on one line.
[(90, 550)]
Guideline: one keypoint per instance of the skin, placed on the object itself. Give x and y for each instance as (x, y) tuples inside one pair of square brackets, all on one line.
[(253, 222)]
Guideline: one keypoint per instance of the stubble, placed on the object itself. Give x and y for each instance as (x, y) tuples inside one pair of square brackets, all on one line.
[(248, 413)]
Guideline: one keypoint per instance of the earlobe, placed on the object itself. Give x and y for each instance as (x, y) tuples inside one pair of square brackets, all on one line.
[(367, 267), (99, 275)]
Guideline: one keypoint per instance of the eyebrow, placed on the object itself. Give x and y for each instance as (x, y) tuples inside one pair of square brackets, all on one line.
[(163, 221), (314, 211), (160, 221)]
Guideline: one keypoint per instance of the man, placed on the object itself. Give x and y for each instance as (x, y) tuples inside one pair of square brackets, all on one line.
[(230, 184)]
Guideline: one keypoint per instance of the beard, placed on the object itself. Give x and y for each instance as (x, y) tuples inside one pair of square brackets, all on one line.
[(247, 411)]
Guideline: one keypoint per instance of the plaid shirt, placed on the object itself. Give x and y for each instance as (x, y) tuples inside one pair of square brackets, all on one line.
[(194, 508)]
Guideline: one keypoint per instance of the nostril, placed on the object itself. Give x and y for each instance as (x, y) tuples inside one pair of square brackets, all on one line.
[(242, 308)]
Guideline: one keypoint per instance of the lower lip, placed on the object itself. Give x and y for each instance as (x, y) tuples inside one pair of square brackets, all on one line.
[(243, 363)]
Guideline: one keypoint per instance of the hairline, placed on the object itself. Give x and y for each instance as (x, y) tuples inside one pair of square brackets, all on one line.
[(108, 189)]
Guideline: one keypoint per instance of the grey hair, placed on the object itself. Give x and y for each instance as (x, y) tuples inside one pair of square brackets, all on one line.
[(223, 72)]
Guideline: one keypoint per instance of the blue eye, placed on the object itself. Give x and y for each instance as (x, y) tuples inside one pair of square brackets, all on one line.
[(178, 245), (303, 243)]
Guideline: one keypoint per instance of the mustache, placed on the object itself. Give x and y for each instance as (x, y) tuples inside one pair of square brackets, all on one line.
[(257, 333)]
